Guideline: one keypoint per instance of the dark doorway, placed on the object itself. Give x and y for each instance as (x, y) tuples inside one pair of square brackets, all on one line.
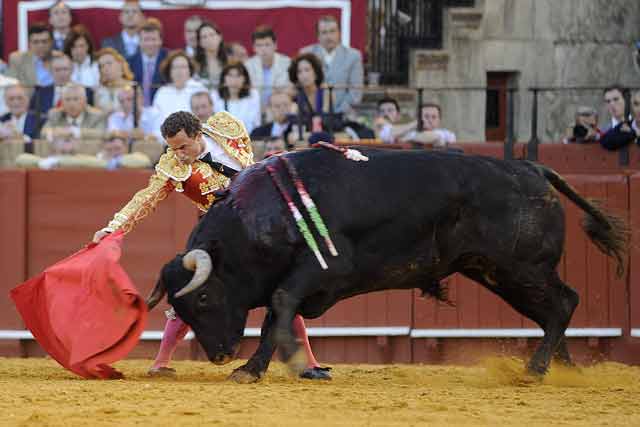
[(496, 107)]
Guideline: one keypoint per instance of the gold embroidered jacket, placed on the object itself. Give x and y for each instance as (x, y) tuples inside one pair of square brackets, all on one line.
[(197, 181)]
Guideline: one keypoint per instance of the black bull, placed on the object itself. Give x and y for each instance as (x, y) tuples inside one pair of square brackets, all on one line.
[(402, 220)]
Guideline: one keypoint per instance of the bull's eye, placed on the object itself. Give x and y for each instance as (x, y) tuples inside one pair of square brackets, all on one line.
[(202, 300)]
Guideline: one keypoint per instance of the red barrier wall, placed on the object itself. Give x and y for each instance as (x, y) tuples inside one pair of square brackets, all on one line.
[(47, 215), (13, 192)]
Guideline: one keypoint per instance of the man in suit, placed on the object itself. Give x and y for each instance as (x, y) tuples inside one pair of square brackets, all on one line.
[(18, 122), (128, 40), (146, 63), (342, 65), (202, 105), (280, 106), (267, 69), (46, 97), (33, 66), (75, 116), (60, 21)]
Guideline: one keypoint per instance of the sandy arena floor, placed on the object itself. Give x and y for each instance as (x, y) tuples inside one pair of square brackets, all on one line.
[(39, 392)]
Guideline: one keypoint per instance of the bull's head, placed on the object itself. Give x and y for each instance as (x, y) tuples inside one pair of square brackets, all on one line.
[(201, 299)]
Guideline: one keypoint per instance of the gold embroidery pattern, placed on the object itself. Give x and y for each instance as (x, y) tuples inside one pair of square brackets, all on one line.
[(171, 167), (230, 134), (142, 204), (213, 179), (210, 199)]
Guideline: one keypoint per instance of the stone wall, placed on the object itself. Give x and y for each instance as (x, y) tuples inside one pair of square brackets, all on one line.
[(546, 43)]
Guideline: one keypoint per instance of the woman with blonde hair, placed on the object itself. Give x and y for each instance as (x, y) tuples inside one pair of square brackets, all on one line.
[(114, 74)]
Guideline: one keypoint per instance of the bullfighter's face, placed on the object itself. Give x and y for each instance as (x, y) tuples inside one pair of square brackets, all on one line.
[(213, 315), (187, 149)]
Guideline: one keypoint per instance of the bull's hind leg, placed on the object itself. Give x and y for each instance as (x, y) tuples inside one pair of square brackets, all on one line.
[(546, 300), (541, 297)]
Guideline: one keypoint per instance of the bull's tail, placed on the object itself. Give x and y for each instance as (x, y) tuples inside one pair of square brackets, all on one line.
[(608, 232)]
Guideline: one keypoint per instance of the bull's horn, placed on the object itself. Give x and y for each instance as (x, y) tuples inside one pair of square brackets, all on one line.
[(200, 261), (156, 295)]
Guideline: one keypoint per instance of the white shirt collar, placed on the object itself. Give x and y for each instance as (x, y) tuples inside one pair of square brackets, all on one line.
[(130, 39)]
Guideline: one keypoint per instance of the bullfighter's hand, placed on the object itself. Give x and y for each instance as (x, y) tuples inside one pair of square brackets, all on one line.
[(100, 234)]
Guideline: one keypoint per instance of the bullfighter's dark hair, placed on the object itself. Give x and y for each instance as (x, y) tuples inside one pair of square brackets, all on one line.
[(315, 64), (181, 120)]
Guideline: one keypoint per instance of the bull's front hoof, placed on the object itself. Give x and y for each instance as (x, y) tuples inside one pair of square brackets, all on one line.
[(242, 375), (316, 373)]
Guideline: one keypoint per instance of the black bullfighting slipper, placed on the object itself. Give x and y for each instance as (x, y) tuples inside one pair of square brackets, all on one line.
[(163, 372), (316, 373)]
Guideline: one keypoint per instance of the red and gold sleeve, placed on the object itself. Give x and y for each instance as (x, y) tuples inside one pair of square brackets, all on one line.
[(142, 204)]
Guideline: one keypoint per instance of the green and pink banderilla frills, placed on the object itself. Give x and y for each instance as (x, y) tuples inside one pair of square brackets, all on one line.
[(297, 216), (309, 205)]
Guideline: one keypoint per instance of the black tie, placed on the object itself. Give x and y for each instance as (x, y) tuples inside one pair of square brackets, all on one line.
[(219, 167)]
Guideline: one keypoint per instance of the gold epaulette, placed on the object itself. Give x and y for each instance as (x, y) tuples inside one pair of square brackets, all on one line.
[(230, 133), (174, 169)]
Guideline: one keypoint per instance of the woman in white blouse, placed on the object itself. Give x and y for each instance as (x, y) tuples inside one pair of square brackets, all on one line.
[(236, 96), (79, 47), (177, 69)]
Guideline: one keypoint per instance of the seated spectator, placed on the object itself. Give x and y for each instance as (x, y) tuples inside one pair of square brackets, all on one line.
[(305, 72), (202, 105), (614, 101), (79, 47), (191, 26), (115, 153), (389, 123), (114, 74), (585, 129), (343, 65), (280, 105), (235, 96), (75, 116), (619, 131), (47, 97), (145, 64), (211, 54), (267, 69), (33, 67), (148, 123), (60, 21), (431, 132), (5, 82), (177, 69), (18, 122), (236, 52), (127, 41), (62, 154), (635, 111)]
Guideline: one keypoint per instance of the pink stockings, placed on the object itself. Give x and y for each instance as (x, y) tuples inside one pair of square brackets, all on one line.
[(176, 329)]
